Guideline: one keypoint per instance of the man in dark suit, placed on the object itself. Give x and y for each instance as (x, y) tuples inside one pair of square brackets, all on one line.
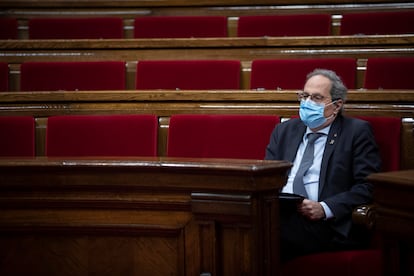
[(345, 153)]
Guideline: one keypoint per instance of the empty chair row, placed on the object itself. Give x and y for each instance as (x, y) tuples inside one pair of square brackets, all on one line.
[(89, 135), (189, 135), (275, 74), (217, 136), (110, 75), (364, 23), (380, 73), (401, 22)]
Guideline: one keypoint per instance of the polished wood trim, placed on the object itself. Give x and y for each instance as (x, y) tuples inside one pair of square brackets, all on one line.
[(332, 41), (267, 96), (178, 3)]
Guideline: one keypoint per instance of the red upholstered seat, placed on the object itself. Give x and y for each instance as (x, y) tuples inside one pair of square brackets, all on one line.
[(102, 135), (71, 76), (17, 136), (220, 136), (4, 76), (180, 26), (387, 132), (284, 25), (76, 28), (8, 28), (381, 23), (389, 73), (291, 73), (188, 74)]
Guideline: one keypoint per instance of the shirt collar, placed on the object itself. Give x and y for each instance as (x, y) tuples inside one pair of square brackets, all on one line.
[(325, 130)]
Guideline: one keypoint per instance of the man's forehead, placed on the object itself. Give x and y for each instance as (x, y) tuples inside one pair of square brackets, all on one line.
[(318, 82)]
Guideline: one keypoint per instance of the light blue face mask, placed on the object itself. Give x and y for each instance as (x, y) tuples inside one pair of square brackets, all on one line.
[(312, 114)]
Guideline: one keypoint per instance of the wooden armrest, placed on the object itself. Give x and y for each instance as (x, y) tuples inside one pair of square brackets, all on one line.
[(364, 215)]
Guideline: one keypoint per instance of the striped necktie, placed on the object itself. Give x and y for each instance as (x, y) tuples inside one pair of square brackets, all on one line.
[(305, 164)]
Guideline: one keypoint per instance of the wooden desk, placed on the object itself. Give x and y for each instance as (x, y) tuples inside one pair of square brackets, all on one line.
[(153, 216), (393, 195)]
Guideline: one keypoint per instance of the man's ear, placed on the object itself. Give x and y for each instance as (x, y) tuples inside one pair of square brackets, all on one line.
[(338, 104)]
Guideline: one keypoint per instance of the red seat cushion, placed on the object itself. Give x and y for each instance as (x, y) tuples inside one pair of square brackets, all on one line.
[(389, 73), (220, 136), (17, 136), (180, 26), (284, 25), (102, 135), (381, 23), (291, 73), (188, 74), (8, 28), (4, 76), (387, 132), (72, 76), (76, 28)]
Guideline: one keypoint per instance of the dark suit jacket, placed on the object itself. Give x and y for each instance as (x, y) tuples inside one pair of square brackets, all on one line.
[(350, 155)]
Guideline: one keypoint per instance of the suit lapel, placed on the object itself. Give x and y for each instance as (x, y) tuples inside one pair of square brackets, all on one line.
[(333, 136)]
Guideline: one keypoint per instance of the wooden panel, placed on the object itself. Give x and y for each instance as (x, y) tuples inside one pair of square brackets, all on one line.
[(393, 193), (407, 144), (139, 216)]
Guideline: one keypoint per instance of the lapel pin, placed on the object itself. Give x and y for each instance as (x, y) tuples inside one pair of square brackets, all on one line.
[(332, 141)]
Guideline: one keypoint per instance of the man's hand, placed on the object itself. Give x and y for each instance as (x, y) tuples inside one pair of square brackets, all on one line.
[(311, 209)]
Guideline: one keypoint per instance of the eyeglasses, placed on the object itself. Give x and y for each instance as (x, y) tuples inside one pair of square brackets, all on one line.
[(314, 97)]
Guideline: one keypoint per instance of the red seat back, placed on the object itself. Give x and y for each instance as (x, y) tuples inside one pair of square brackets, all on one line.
[(377, 23), (284, 25), (17, 136), (76, 28), (220, 136), (102, 135), (291, 73), (389, 73), (4, 76), (71, 76), (180, 26), (188, 74), (387, 132), (8, 28)]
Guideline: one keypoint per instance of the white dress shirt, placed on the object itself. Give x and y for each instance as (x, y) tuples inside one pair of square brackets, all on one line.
[(311, 178)]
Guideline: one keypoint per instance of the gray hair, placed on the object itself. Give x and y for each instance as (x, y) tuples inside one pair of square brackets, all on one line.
[(338, 89)]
